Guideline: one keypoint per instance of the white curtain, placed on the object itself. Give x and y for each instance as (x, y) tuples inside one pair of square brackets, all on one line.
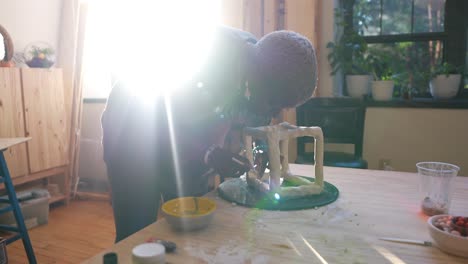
[(73, 21)]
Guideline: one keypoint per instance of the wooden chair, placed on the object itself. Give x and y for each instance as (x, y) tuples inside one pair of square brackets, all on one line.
[(342, 122)]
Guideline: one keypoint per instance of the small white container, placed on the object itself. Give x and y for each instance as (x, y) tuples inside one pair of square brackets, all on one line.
[(149, 253), (382, 90)]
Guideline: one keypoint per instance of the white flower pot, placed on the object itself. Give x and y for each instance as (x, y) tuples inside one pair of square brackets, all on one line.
[(382, 90), (358, 85), (445, 87)]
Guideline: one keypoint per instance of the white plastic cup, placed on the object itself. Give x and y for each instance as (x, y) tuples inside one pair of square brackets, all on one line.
[(436, 186)]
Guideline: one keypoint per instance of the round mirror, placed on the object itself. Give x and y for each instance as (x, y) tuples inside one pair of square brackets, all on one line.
[(6, 47)]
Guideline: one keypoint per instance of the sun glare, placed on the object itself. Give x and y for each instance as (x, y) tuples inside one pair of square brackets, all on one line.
[(153, 46), (322, 260), (388, 255)]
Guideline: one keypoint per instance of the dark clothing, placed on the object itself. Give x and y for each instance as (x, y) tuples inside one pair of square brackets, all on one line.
[(158, 149)]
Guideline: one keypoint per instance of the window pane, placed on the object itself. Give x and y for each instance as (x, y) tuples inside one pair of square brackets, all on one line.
[(396, 17), (428, 16), (407, 62), (367, 17)]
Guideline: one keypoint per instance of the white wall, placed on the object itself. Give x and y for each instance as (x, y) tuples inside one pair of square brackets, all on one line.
[(31, 20), (409, 135)]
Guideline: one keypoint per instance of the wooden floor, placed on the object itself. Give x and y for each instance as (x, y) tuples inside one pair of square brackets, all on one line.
[(74, 233)]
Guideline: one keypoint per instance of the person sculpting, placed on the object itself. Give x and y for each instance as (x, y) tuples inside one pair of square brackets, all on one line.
[(171, 148)]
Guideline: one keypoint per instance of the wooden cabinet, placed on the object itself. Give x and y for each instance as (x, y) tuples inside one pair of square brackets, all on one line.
[(12, 119), (32, 104)]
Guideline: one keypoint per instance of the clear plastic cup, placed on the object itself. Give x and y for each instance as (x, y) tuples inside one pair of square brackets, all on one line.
[(437, 180)]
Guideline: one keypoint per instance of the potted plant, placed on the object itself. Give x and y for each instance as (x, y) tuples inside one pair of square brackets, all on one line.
[(382, 86), (444, 80), (39, 55), (349, 55)]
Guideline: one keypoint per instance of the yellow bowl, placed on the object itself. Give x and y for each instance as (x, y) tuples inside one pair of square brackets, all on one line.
[(182, 214)]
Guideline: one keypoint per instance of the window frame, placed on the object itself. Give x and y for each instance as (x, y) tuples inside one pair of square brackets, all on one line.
[(454, 36)]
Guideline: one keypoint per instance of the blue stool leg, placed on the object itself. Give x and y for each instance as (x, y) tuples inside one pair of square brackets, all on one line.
[(16, 209)]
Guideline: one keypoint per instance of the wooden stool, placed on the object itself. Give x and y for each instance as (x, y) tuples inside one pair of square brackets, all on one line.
[(20, 229)]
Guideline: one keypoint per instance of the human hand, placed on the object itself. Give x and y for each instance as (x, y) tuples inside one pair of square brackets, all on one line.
[(261, 159), (260, 155), (226, 163)]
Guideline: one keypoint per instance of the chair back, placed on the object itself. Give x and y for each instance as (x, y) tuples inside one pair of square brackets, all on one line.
[(341, 120)]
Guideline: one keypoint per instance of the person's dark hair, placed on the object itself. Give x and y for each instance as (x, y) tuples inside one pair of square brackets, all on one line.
[(285, 68)]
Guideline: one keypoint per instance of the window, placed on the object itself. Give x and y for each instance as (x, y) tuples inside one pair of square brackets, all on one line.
[(418, 34), (391, 17), (155, 45)]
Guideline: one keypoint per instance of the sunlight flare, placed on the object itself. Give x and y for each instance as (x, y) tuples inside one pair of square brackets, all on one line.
[(314, 251), (155, 46), (388, 255), (294, 247), (173, 142)]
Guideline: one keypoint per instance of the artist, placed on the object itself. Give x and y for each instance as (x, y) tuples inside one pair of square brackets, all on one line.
[(169, 148)]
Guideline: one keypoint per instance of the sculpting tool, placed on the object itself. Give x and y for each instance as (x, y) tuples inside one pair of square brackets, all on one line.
[(407, 241)]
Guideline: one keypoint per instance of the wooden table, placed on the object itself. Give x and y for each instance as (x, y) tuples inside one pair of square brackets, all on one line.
[(9, 142), (372, 204)]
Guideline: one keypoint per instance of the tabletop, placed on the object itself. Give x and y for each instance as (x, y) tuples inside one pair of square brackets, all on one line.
[(9, 142), (372, 204)]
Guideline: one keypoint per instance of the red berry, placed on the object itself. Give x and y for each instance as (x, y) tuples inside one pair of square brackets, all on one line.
[(466, 225)]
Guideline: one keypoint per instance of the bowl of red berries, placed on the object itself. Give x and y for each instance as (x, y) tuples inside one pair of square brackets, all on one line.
[(448, 233), (460, 224)]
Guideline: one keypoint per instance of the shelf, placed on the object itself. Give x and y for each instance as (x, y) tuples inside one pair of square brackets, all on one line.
[(37, 176), (57, 198)]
